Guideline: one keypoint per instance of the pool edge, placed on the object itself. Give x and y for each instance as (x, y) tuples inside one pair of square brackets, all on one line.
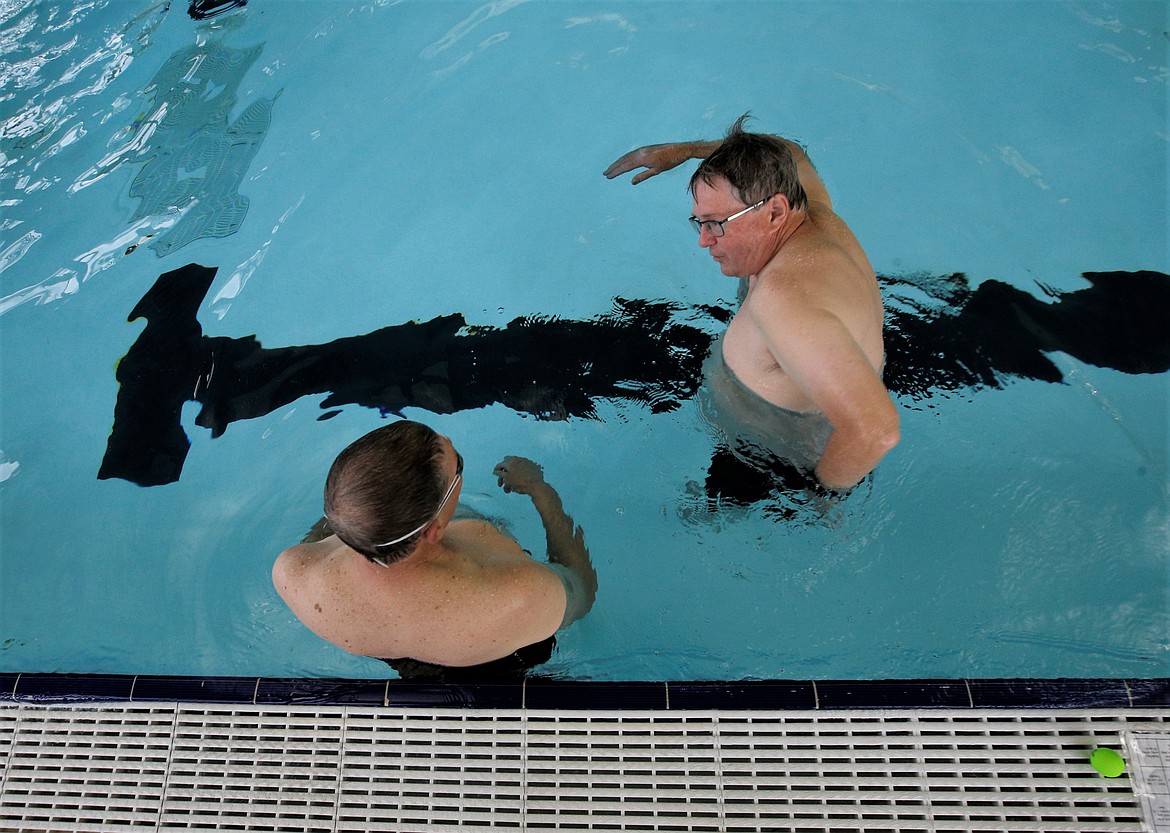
[(547, 693)]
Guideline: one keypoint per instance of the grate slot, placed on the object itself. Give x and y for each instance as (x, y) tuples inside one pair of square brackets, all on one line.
[(428, 772)]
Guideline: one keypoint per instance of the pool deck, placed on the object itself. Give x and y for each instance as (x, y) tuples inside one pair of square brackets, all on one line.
[(72, 762)]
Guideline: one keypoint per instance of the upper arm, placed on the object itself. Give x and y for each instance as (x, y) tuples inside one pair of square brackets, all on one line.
[(525, 602), (280, 572), (810, 180), (817, 351)]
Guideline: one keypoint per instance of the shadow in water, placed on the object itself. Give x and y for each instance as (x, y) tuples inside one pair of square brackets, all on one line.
[(204, 9), (941, 336), (549, 368)]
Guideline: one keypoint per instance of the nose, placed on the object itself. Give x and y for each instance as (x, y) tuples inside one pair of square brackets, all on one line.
[(706, 238)]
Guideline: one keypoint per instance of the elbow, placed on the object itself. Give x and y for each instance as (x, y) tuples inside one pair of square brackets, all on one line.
[(877, 438), (852, 454), (889, 435), (884, 435)]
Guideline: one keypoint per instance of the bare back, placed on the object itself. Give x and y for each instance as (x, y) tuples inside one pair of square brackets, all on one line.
[(821, 272), (472, 597)]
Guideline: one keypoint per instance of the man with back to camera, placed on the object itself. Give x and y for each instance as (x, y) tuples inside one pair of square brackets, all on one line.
[(807, 337), (393, 573)]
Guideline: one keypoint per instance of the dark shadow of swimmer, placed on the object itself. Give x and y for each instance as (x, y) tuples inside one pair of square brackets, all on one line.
[(205, 9), (551, 369), (941, 336)]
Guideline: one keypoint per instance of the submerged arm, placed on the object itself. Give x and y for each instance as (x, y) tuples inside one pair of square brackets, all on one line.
[(564, 540)]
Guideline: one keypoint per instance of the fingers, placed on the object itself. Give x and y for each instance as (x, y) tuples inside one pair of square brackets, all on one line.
[(614, 171), (639, 158), (503, 474), (631, 161), (624, 163), (518, 474)]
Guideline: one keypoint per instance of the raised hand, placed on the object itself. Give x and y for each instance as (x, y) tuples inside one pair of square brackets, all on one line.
[(655, 159), (518, 474)]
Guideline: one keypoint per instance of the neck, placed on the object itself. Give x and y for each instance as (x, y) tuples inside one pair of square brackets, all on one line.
[(790, 227), (426, 551)]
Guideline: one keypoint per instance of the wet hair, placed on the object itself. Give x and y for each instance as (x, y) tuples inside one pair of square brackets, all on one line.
[(382, 486), (757, 165)]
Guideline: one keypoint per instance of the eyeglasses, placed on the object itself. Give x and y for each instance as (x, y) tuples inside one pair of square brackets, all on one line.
[(716, 226), (446, 497)]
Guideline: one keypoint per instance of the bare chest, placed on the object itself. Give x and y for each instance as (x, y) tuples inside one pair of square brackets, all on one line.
[(747, 355)]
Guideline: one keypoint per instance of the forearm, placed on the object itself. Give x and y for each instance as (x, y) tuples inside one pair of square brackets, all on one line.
[(565, 541), (699, 150), (658, 158)]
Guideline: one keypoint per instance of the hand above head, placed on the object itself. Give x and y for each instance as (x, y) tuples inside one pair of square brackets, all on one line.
[(654, 158), (518, 474)]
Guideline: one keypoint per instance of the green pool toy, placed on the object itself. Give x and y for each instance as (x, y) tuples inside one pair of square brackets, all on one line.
[(1107, 762)]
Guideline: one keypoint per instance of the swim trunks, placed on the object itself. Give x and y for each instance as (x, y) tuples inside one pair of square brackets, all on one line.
[(512, 667)]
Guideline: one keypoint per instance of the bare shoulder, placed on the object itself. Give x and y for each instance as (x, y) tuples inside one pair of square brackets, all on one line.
[(495, 563), (808, 273), (477, 537), (474, 526), (822, 263), (299, 560)]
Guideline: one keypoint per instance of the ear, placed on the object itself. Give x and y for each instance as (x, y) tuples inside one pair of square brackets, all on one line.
[(778, 208), (434, 531)]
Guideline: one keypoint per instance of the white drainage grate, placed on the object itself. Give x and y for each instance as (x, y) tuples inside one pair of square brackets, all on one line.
[(82, 770), (362, 769), (432, 771), (258, 769)]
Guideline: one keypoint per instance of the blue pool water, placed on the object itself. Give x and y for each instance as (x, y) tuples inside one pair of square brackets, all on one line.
[(354, 166)]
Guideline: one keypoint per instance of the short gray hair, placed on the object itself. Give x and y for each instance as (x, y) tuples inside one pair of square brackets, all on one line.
[(757, 165)]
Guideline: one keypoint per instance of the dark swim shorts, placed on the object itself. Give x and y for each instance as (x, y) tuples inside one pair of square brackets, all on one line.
[(512, 667)]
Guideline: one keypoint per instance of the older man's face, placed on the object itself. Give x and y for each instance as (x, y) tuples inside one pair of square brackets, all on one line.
[(744, 249)]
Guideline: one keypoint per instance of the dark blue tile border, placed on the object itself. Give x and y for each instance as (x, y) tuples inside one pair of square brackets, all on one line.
[(68, 688), (572, 694), (749, 694), (1149, 693), (316, 692), (891, 694), (196, 689), (1084, 694), (547, 693), (508, 695)]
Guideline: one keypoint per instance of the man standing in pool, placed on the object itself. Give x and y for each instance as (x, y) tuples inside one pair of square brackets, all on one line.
[(802, 357), (392, 570)]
